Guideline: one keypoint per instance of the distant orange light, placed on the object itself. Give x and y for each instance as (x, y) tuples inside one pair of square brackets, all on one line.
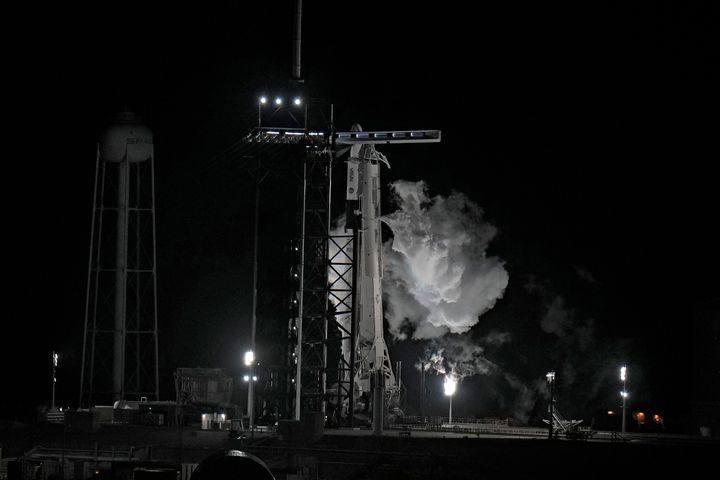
[(639, 417)]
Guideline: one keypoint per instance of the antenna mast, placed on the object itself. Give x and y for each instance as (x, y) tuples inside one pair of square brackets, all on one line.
[(297, 42)]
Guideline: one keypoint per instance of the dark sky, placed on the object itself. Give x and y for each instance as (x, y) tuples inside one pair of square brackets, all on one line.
[(588, 134)]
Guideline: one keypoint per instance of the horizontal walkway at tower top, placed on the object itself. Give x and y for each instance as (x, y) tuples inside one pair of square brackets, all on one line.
[(295, 135), (392, 136)]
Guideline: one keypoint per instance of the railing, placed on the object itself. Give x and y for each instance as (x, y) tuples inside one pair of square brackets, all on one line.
[(410, 420), (472, 428), (88, 453), (55, 417)]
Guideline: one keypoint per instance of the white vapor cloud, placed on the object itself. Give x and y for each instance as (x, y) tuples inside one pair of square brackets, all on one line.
[(438, 277), (458, 355)]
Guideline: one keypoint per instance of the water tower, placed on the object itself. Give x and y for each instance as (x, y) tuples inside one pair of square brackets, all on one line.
[(120, 348)]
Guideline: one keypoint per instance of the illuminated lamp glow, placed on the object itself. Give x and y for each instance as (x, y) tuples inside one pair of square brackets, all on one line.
[(263, 100), (450, 385), (297, 101), (249, 358), (278, 101)]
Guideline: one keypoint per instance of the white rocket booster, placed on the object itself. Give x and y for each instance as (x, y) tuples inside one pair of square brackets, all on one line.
[(363, 195), (363, 186)]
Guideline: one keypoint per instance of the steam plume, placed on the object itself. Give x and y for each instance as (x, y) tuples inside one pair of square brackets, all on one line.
[(438, 276), (460, 356)]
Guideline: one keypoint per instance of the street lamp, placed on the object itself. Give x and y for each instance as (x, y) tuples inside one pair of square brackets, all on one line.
[(550, 376), (249, 358), (250, 362), (54, 378), (261, 102), (250, 379), (623, 394), (450, 385)]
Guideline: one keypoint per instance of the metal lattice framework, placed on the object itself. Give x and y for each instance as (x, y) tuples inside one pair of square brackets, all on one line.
[(320, 310), (342, 295), (265, 155), (314, 302), (123, 213)]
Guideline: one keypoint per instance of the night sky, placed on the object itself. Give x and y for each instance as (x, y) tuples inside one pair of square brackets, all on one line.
[(587, 134)]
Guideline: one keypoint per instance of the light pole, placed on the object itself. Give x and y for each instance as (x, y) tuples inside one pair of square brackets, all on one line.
[(623, 394), (250, 379), (550, 376), (422, 391), (450, 385), (250, 362), (261, 102), (54, 378), (250, 354)]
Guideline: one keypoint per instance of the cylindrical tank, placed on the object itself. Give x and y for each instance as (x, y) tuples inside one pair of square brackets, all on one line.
[(126, 140), (232, 465)]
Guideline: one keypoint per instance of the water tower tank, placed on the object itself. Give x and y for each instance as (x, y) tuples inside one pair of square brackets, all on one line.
[(126, 140)]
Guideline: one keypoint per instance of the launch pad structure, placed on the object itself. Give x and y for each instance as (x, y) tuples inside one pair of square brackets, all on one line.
[(333, 350), (338, 292)]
